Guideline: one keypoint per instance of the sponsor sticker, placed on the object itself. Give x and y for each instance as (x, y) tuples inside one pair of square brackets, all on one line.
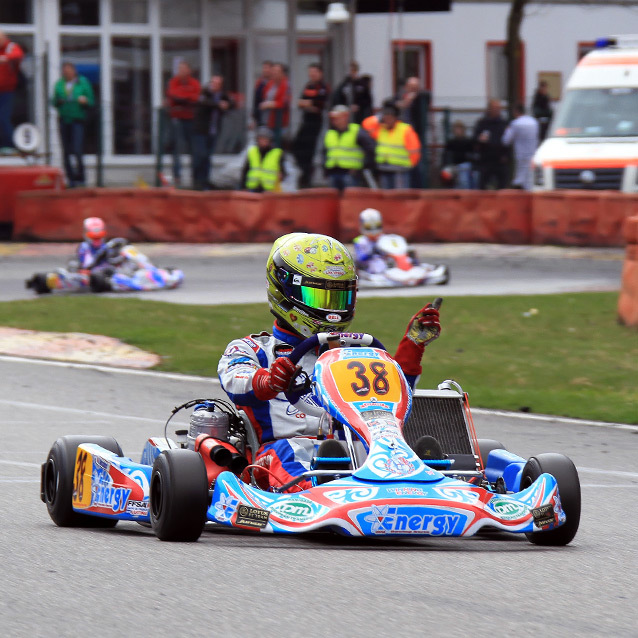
[(296, 280), (543, 515), (137, 508), (333, 318), (334, 271), (384, 519), (507, 509), (225, 508), (252, 517), (407, 491), (295, 509)]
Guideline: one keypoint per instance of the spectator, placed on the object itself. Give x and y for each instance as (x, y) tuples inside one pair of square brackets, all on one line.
[(354, 92), (414, 106), (264, 168), (312, 103), (183, 94), (213, 103), (493, 156), (347, 149), (258, 95), (10, 58), (542, 108), (398, 149), (72, 97), (458, 156), (275, 107), (522, 134)]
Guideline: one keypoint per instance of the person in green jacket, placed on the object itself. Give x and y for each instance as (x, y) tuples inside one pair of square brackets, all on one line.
[(72, 97)]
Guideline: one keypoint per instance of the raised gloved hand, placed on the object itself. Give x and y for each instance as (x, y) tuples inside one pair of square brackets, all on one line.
[(424, 327), (268, 383)]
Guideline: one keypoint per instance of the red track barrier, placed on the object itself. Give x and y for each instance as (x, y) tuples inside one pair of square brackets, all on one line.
[(628, 299), (17, 179)]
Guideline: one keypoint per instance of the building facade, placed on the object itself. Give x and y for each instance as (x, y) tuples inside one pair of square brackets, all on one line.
[(128, 49)]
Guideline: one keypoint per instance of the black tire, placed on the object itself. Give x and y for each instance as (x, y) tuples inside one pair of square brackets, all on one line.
[(564, 471), (178, 496), (39, 284), (486, 446), (57, 481), (99, 282)]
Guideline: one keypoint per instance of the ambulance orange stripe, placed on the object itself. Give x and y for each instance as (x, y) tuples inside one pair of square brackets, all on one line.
[(608, 61), (592, 163)]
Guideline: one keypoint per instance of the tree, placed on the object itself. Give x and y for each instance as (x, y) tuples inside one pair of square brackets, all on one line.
[(513, 53)]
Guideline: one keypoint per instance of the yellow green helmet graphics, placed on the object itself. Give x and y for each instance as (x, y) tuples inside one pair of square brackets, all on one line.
[(312, 283)]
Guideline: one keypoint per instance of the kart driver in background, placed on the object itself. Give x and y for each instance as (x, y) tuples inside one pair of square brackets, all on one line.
[(91, 251), (370, 258), (312, 286)]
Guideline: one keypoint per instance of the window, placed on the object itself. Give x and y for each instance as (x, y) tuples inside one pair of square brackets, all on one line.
[(497, 71), (411, 58), (79, 12), (176, 50), (227, 60), (270, 14), (181, 13), (130, 11), (226, 16), (132, 109), (23, 104), (84, 52), (16, 12)]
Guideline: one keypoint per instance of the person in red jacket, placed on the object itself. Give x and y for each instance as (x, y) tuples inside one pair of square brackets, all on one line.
[(183, 94), (10, 58), (276, 102)]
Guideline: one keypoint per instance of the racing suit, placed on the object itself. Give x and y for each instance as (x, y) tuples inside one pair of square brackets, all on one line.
[(284, 430), (89, 255), (366, 256)]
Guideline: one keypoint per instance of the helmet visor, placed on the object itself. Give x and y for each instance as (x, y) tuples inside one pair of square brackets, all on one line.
[(319, 294)]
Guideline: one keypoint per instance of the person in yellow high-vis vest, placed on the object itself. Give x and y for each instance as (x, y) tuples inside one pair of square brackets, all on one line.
[(264, 167), (398, 149), (347, 150)]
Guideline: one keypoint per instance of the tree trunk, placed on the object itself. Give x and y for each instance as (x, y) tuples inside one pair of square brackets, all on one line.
[(513, 53)]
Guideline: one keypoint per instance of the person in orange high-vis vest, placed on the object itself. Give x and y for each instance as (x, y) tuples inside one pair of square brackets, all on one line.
[(398, 149)]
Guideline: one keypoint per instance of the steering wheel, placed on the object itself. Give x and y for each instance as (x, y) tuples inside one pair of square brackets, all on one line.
[(332, 339)]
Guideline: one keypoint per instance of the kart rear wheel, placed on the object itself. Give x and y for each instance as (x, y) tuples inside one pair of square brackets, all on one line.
[(486, 446), (99, 282), (57, 481), (39, 284), (564, 471), (178, 495)]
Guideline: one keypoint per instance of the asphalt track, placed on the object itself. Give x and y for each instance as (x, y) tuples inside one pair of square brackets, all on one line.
[(234, 273), (65, 582), (68, 582)]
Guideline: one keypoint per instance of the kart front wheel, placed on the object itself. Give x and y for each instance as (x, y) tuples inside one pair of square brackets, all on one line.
[(56, 488), (178, 496), (564, 471)]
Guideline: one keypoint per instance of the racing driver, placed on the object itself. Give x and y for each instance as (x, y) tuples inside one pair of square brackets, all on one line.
[(312, 288), (90, 251)]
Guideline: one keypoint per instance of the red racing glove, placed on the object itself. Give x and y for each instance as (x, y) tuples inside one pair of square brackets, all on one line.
[(423, 328), (268, 383)]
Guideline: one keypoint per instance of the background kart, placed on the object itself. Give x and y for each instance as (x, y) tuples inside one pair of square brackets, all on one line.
[(394, 265), (120, 268), (425, 474)]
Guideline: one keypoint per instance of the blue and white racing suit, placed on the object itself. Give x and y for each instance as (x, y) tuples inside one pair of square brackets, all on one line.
[(282, 428), (366, 256), (87, 253)]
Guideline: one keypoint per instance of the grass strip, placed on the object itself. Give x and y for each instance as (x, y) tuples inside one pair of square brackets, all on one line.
[(552, 354)]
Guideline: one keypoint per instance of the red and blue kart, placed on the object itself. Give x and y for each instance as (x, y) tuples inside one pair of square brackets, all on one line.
[(378, 471), (119, 267)]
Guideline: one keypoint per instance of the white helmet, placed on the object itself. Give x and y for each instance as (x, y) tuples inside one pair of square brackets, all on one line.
[(370, 222)]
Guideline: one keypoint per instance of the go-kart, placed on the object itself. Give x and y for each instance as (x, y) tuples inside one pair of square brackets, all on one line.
[(378, 472), (120, 267), (394, 265)]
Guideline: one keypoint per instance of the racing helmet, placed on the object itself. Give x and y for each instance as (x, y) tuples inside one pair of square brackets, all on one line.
[(94, 230), (370, 222), (312, 283)]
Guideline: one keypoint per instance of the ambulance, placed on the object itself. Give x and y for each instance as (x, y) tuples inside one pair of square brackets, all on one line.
[(593, 141)]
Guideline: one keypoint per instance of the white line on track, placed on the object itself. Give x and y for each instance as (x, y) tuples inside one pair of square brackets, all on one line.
[(215, 381)]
